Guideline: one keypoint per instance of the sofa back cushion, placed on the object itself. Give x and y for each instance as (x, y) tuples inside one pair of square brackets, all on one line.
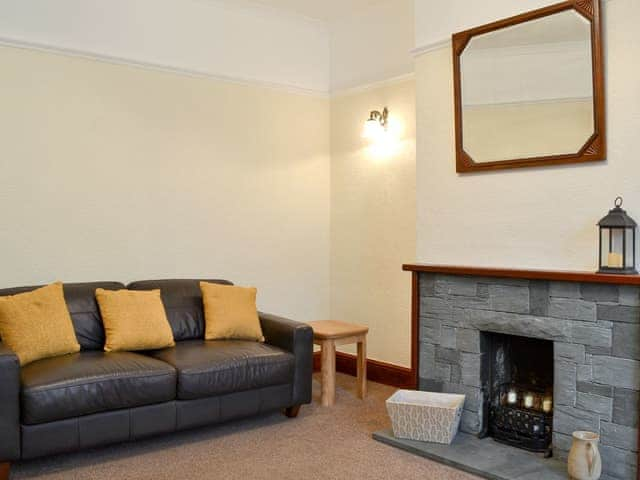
[(81, 302), (183, 303)]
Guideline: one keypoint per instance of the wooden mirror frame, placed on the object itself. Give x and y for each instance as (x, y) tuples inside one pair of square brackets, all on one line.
[(595, 147)]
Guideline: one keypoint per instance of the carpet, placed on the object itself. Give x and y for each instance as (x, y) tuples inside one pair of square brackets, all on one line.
[(322, 443)]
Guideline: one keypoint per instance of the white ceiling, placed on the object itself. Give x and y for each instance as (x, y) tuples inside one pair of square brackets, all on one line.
[(324, 10), (567, 26)]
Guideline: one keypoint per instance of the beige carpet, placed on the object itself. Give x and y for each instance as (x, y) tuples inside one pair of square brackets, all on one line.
[(331, 443)]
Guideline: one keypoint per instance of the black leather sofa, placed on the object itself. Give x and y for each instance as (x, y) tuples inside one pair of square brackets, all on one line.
[(93, 398)]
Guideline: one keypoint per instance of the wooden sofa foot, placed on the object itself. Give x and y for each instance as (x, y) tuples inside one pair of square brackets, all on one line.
[(4, 470), (291, 412)]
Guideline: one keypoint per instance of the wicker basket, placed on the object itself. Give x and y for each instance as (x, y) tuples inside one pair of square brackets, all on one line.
[(425, 416)]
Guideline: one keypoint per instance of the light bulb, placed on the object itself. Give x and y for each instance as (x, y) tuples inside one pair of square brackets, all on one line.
[(372, 129)]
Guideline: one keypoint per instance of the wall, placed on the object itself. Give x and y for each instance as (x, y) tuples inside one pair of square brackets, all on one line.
[(372, 45), (520, 130), (373, 219), (252, 199), (531, 218), (222, 38), (118, 173), (373, 191)]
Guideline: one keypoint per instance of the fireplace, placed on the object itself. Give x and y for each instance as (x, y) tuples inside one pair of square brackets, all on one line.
[(568, 338), (518, 375)]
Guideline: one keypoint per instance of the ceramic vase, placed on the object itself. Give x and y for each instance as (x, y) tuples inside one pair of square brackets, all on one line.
[(584, 457)]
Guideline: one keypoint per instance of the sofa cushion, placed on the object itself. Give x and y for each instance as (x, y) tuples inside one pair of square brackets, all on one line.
[(92, 382), (134, 320), (230, 312), (37, 324), (209, 368), (183, 303), (81, 302)]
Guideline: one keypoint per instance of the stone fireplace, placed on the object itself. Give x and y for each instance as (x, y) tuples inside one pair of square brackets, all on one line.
[(587, 343)]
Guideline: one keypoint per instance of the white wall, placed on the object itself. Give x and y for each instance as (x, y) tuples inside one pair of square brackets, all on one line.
[(372, 45), (112, 172), (532, 218), (373, 192), (373, 219), (212, 37)]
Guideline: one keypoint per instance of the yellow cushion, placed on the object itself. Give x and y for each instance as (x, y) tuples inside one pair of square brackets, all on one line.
[(134, 320), (37, 324), (230, 312)]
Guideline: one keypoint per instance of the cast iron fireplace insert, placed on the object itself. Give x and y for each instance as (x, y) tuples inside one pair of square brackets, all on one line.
[(518, 384)]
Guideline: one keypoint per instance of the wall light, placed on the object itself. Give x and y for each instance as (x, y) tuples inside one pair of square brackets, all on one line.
[(376, 125)]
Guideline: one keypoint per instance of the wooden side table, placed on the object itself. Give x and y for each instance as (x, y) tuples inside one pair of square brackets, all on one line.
[(329, 334)]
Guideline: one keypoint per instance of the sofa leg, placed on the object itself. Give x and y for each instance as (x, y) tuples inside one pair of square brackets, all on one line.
[(4, 470), (292, 412)]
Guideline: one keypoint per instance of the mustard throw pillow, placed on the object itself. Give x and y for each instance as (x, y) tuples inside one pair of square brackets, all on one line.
[(134, 320), (37, 324), (230, 312)]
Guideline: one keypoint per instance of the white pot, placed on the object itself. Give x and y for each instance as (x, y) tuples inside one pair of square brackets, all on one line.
[(584, 457)]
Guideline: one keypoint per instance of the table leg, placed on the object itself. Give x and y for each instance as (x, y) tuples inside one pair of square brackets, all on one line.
[(362, 367), (328, 367), (5, 468)]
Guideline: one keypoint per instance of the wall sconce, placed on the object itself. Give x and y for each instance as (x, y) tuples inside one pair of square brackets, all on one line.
[(376, 125)]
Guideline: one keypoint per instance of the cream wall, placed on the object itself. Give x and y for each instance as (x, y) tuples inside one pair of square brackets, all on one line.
[(156, 152), (539, 218), (373, 212), (525, 130), (373, 219), (112, 172)]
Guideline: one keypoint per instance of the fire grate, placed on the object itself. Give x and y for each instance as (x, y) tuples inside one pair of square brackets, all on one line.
[(523, 418)]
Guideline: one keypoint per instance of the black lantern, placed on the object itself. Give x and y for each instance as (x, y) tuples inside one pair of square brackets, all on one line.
[(617, 241)]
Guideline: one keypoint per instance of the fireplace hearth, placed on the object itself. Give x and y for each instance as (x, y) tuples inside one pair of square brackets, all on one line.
[(519, 391)]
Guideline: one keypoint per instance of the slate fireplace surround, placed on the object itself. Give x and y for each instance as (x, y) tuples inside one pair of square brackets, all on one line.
[(593, 322)]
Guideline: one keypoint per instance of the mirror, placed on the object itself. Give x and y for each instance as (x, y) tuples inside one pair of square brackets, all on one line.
[(529, 90)]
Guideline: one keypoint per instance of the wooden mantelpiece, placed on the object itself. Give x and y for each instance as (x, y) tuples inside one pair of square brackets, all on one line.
[(557, 275)]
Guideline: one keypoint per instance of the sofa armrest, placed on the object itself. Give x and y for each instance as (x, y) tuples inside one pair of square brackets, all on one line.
[(9, 405), (297, 338)]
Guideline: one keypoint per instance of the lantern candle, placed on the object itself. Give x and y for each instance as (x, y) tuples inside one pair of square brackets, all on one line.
[(547, 404), (512, 397), (528, 400), (614, 260)]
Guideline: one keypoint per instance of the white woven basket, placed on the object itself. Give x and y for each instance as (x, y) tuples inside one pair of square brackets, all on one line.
[(425, 416)]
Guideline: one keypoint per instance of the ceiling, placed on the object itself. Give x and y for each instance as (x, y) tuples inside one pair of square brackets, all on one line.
[(567, 26), (324, 10)]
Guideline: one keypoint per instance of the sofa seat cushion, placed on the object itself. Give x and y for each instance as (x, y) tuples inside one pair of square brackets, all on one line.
[(210, 368), (91, 382)]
